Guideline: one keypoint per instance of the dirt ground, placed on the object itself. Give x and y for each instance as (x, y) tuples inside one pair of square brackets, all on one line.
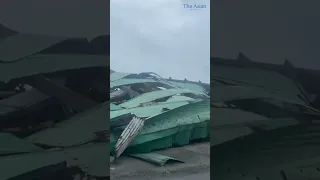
[(196, 166)]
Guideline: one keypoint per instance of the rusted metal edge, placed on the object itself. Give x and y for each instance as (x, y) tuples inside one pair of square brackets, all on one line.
[(129, 133)]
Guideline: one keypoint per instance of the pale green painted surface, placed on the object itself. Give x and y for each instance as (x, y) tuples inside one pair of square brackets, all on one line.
[(186, 85), (117, 75), (154, 95), (127, 81)]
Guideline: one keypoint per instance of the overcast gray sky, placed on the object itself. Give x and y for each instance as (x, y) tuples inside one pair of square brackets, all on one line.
[(161, 36), (268, 30)]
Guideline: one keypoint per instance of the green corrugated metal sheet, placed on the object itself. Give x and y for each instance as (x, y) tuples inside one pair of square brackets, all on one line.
[(155, 158), (21, 45), (148, 111), (179, 98), (114, 107), (23, 112), (65, 135), (127, 81), (117, 75), (174, 121), (229, 93), (89, 158), (269, 80), (186, 85), (49, 63), (263, 127), (173, 127), (154, 95), (11, 144)]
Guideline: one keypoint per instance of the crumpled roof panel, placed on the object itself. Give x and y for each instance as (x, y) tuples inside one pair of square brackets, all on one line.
[(151, 96), (173, 113), (264, 126), (19, 46), (53, 107), (268, 80), (49, 63)]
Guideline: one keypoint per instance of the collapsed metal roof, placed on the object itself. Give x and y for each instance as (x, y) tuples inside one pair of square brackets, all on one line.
[(265, 120), (53, 107), (148, 113), (259, 111)]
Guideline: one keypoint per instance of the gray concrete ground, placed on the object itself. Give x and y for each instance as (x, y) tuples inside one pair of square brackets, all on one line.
[(197, 176), (174, 176), (196, 166)]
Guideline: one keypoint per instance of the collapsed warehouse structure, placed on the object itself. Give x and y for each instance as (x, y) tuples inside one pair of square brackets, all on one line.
[(264, 125), (265, 120), (53, 107), (149, 113)]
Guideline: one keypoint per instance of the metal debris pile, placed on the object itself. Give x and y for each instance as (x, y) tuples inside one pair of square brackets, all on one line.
[(148, 113), (53, 107), (265, 123)]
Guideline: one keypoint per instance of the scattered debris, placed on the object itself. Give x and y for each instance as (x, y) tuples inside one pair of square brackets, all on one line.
[(129, 133), (263, 119), (149, 113), (10, 144), (54, 107), (156, 158)]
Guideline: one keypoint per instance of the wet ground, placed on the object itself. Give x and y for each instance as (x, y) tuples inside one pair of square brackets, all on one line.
[(197, 176), (196, 166), (180, 176)]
